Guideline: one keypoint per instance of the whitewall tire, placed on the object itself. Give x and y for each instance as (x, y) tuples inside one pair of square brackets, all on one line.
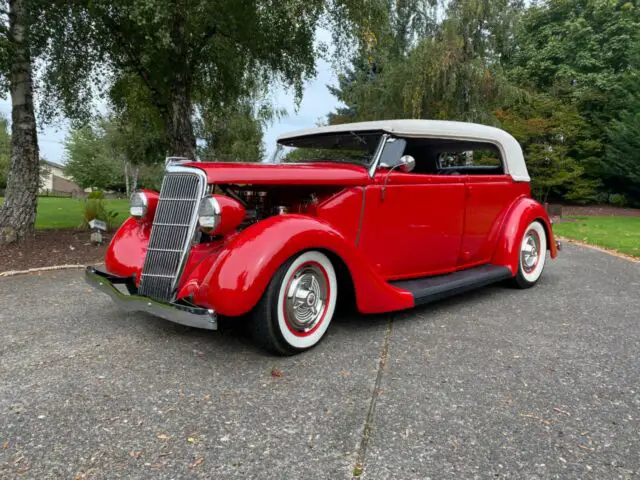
[(532, 255), (297, 306)]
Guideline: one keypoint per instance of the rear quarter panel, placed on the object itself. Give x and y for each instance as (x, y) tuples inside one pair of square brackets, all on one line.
[(489, 200)]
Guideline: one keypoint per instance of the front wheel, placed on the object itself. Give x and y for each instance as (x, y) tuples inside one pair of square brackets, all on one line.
[(297, 306), (533, 254)]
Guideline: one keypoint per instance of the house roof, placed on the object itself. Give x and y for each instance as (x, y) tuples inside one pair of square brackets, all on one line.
[(509, 146), (52, 164)]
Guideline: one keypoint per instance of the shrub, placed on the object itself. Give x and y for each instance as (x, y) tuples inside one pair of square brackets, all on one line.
[(95, 208), (96, 195), (618, 199)]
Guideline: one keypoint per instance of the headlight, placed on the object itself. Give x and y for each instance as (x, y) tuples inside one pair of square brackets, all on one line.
[(209, 214), (139, 205)]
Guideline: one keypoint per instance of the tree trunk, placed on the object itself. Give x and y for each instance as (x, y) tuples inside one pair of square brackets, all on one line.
[(18, 213), (126, 178), (179, 125), (134, 182)]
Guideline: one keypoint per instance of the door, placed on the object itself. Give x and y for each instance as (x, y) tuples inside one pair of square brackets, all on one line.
[(415, 228)]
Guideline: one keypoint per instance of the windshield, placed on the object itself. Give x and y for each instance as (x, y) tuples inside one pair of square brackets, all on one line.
[(343, 147)]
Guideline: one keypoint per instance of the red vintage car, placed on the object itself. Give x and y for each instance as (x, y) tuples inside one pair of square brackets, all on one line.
[(391, 214)]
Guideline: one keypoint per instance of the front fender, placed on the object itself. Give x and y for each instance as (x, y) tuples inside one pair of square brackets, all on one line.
[(127, 249), (524, 211), (233, 280)]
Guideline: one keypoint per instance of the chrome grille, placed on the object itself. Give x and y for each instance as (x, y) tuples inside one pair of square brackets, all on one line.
[(171, 233)]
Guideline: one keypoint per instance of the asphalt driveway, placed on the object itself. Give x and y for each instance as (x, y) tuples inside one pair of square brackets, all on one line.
[(500, 383)]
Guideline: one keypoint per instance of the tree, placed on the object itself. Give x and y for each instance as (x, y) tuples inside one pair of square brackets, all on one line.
[(623, 149), (5, 149), (233, 134), (450, 69), (584, 53), (550, 135), (98, 157), (185, 54), (18, 212), (90, 162)]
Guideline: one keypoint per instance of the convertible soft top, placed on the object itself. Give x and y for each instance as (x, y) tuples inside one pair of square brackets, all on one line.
[(509, 146)]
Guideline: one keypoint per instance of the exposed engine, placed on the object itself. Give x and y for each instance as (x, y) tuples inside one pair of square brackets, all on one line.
[(264, 201)]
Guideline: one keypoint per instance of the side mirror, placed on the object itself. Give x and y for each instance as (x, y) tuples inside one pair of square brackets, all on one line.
[(407, 163)]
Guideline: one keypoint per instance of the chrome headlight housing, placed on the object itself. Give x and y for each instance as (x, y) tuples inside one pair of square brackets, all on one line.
[(209, 214), (139, 205)]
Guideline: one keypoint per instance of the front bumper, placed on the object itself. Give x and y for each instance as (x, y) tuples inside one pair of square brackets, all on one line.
[(183, 314)]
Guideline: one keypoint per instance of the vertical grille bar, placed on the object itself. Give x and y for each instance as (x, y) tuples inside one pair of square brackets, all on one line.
[(171, 232)]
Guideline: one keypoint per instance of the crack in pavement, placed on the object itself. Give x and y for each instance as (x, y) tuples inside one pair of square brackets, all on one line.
[(358, 468)]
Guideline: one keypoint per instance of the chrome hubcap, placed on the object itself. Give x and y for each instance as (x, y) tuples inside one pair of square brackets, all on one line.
[(306, 297), (530, 252)]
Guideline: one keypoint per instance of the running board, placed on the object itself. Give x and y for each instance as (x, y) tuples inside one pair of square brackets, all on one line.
[(429, 289)]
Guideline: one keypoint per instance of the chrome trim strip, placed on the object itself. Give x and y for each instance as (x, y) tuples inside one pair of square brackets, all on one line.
[(184, 315), (378, 155)]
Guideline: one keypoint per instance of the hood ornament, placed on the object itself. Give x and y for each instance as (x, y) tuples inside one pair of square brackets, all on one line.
[(177, 160)]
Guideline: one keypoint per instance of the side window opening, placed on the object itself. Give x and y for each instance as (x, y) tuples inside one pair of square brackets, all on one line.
[(481, 157), (451, 157)]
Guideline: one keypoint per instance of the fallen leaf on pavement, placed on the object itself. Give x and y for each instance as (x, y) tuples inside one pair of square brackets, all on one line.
[(5, 445), (163, 436), (197, 462), (559, 410), (546, 421)]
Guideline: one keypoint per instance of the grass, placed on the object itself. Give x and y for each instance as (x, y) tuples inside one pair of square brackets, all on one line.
[(616, 233), (57, 213)]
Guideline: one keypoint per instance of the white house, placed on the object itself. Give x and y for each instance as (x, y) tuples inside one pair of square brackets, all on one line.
[(55, 180)]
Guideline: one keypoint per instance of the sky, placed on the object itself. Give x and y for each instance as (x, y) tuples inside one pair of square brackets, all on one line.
[(316, 103)]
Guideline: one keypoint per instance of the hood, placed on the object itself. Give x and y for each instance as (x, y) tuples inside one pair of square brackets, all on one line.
[(317, 173)]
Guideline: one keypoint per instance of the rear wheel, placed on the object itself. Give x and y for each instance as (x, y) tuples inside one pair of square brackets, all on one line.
[(298, 305), (533, 254)]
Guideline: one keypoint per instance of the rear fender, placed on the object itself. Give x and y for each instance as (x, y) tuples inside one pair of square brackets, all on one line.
[(524, 211), (233, 280)]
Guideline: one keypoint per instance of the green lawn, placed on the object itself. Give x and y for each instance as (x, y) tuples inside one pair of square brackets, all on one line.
[(67, 212), (616, 233)]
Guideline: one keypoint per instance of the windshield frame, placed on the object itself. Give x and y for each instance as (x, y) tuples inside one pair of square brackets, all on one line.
[(308, 143)]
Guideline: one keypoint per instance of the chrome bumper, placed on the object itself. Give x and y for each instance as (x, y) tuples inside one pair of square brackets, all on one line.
[(183, 314)]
